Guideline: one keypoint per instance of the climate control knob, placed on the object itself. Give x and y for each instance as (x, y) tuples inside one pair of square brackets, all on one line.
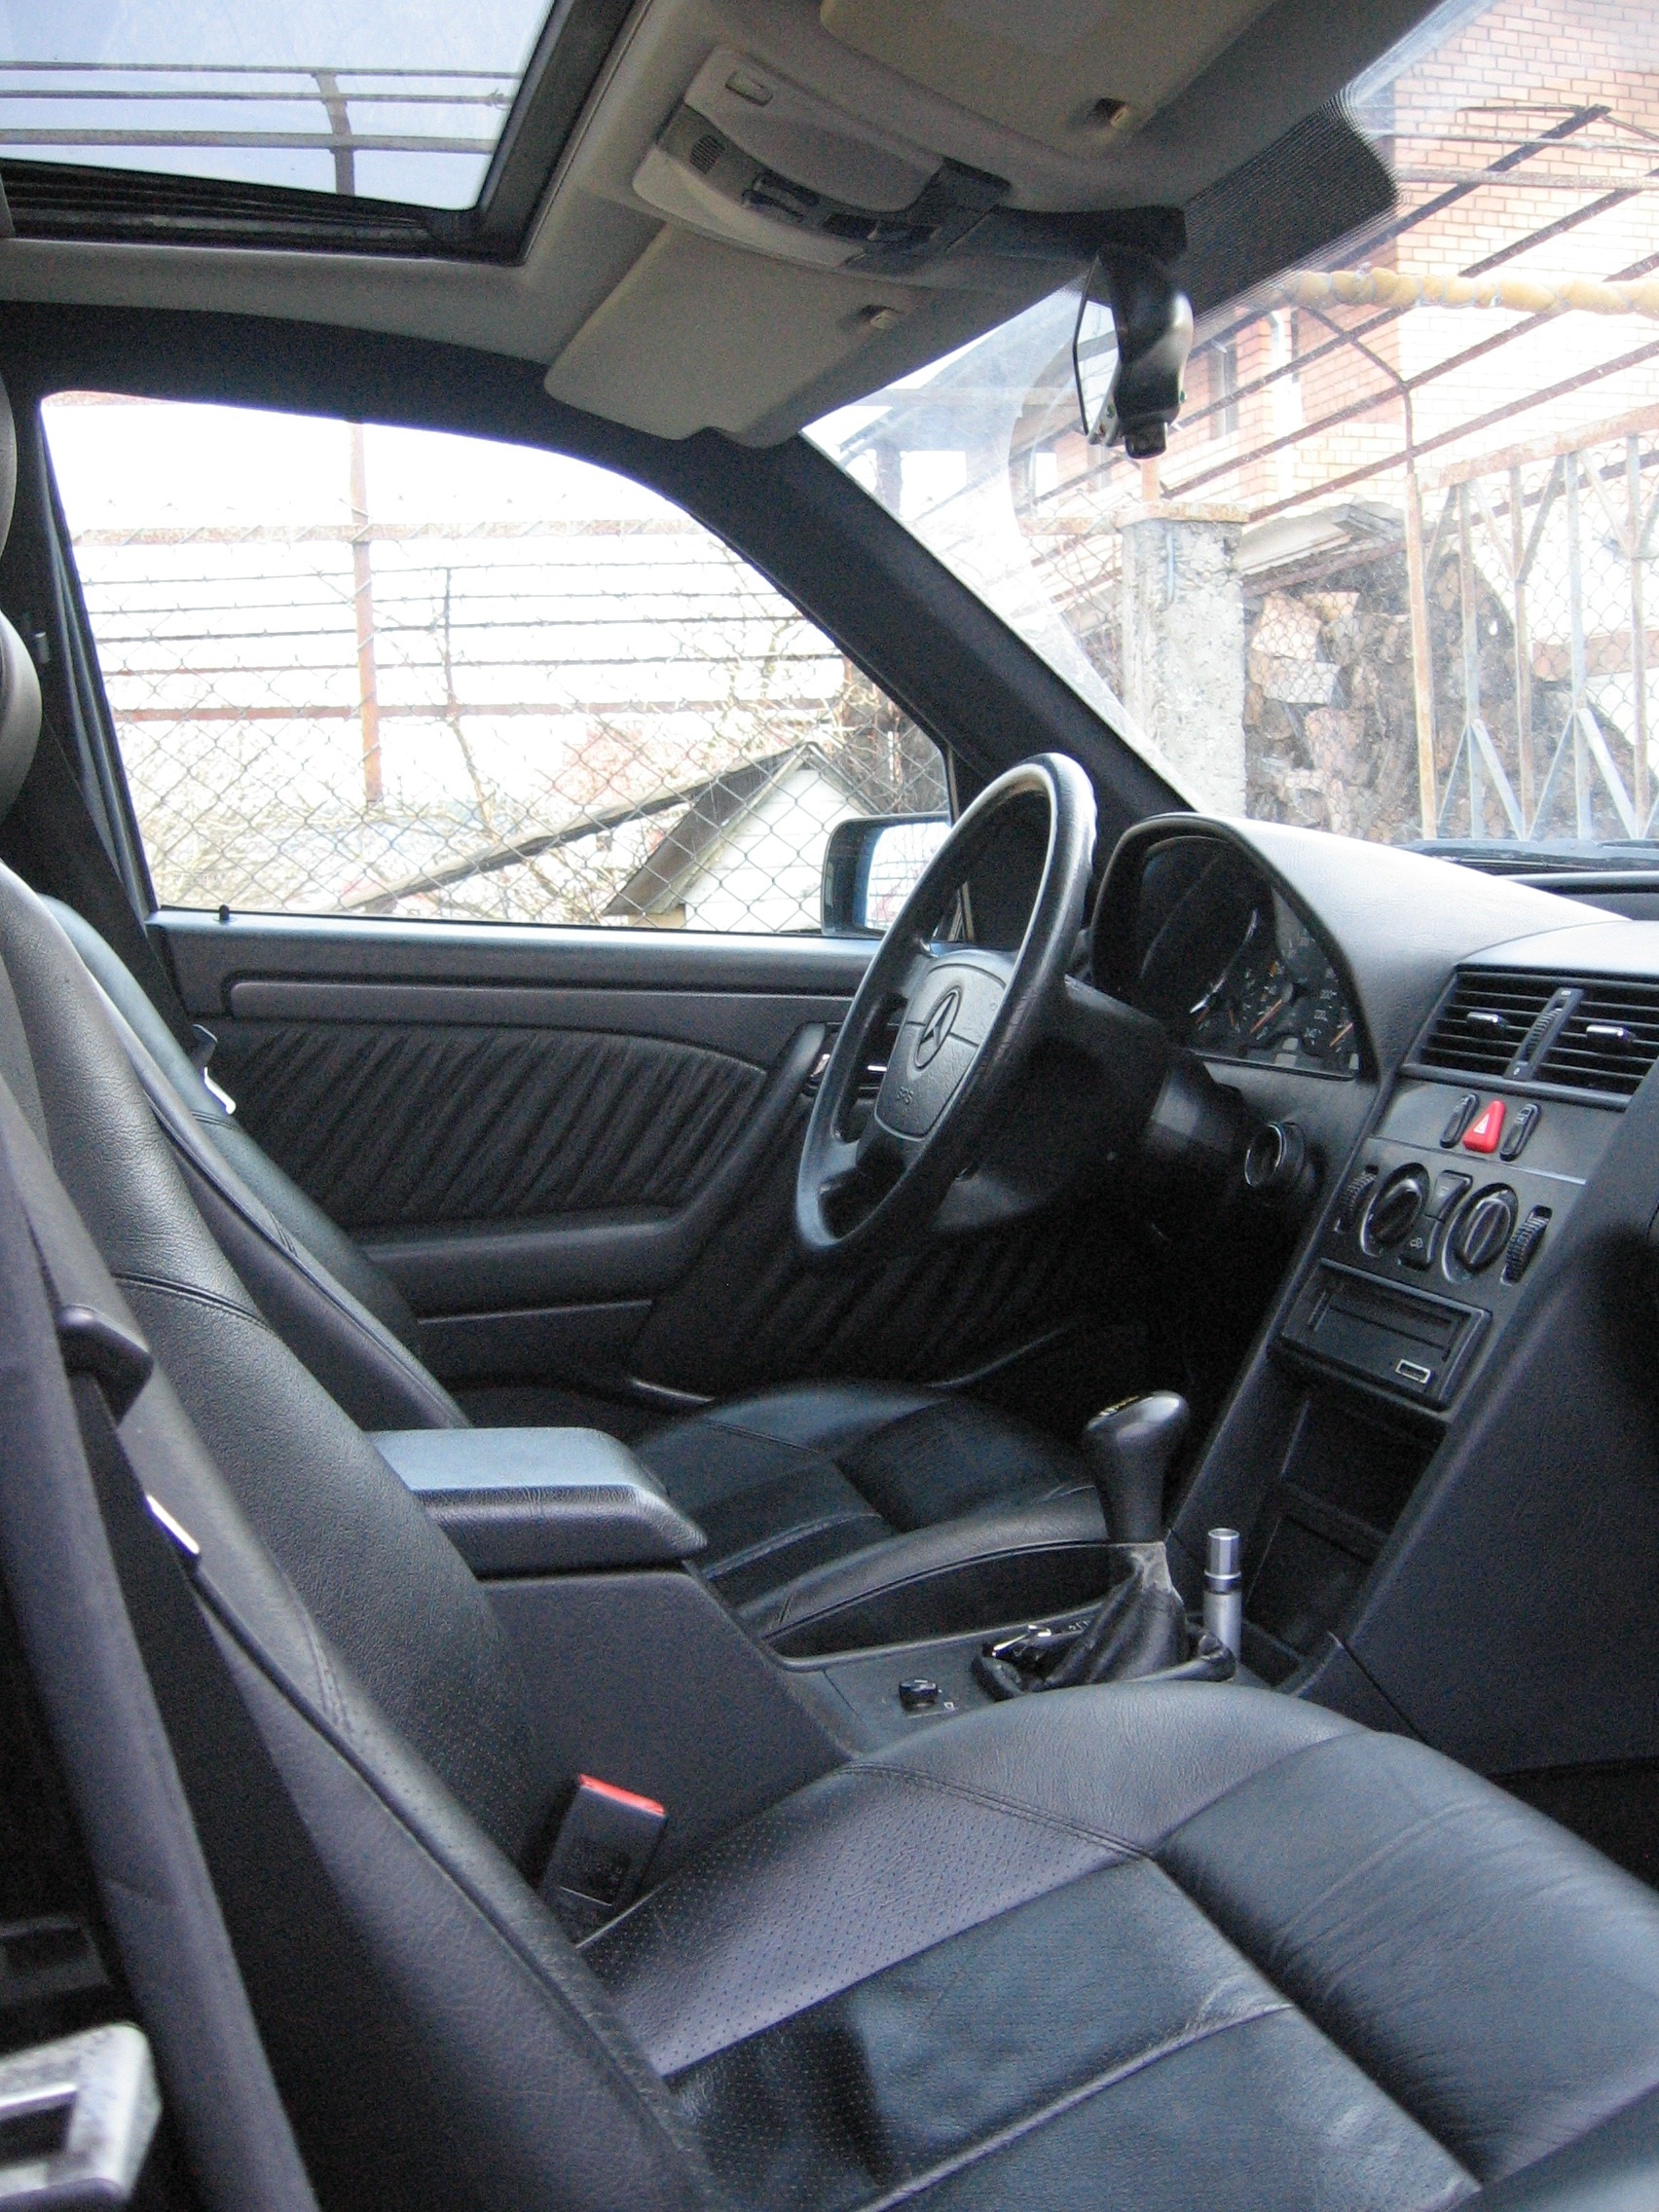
[(1484, 1227), (1393, 1213)]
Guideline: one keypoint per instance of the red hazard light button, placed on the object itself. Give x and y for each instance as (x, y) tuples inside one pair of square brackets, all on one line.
[(1486, 1131)]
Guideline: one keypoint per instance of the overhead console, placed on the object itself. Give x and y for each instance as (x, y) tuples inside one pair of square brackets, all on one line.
[(841, 192), (758, 161)]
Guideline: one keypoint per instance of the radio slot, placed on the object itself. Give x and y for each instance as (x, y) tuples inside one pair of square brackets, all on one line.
[(1407, 1341)]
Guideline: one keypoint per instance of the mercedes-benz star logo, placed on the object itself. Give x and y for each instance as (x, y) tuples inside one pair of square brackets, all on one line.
[(937, 1028)]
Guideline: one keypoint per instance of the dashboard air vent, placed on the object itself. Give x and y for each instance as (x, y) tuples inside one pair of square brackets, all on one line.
[(1486, 1022), (1609, 1041)]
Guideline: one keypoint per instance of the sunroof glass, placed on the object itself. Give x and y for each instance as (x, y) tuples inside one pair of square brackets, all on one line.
[(383, 99)]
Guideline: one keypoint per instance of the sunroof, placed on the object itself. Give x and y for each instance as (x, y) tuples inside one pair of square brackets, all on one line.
[(406, 104), (374, 97)]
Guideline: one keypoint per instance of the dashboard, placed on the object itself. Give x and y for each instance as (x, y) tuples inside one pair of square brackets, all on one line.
[(1203, 942), (1441, 1449)]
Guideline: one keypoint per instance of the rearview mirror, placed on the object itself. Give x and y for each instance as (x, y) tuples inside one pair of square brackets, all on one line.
[(1150, 334), (871, 866)]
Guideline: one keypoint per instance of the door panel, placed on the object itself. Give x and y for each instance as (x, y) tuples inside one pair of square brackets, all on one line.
[(399, 1127), (576, 1151), (570, 1126), (492, 1170), (534, 1131)]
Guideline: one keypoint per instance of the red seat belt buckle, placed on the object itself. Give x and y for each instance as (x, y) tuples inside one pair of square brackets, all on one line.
[(601, 1855)]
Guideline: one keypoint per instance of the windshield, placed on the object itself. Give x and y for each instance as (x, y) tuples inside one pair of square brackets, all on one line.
[(369, 98), (1391, 577)]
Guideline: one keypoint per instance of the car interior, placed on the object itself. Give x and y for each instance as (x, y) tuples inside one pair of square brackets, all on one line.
[(829, 1165)]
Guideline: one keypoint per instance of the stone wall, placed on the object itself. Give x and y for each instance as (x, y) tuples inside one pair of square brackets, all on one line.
[(1329, 720)]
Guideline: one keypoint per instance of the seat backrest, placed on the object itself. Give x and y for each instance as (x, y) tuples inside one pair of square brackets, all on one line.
[(385, 1585), (362, 1554), (367, 1367), (310, 1280), (437, 2041)]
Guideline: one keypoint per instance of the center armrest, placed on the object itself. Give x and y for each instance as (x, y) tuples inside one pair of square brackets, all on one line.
[(540, 1500)]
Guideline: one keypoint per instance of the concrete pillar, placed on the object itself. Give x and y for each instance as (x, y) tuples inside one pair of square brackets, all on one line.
[(1183, 615)]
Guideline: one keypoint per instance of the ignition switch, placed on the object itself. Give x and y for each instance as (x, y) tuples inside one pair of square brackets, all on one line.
[(1274, 1159)]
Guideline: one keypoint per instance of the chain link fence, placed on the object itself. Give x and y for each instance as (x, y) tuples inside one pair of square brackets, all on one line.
[(1530, 685), (610, 720)]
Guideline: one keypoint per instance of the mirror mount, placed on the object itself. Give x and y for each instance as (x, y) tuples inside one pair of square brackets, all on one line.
[(1153, 319)]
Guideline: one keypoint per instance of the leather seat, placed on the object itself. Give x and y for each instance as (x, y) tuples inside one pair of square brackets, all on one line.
[(841, 1513), (1150, 1946)]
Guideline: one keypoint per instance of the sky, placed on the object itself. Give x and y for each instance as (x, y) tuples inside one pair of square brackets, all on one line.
[(485, 34), (47, 87)]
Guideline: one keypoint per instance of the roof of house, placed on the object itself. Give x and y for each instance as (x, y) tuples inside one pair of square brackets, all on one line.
[(716, 810)]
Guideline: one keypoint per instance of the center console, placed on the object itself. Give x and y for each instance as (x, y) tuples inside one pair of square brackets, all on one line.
[(1424, 1256), (1446, 1219), (540, 1500)]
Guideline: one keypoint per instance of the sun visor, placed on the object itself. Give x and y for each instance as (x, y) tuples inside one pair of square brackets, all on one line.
[(1318, 183), (1076, 75)]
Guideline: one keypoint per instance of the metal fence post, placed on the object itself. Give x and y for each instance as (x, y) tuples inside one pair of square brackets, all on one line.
[(1638, 628), (363, 609), (1423, 668)]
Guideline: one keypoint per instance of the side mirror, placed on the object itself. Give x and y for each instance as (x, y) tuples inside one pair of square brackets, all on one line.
[(871, 865)]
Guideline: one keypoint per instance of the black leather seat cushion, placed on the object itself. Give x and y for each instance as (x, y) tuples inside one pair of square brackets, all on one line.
[(1154, 1945), (836, 1513)]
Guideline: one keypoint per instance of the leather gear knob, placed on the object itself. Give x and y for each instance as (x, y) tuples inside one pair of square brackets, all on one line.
[(1131, 1449)]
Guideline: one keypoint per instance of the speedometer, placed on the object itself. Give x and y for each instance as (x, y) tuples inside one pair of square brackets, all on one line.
[(1229, 967)]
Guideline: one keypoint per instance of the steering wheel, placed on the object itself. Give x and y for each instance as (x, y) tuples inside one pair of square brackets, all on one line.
[(968, 1020)]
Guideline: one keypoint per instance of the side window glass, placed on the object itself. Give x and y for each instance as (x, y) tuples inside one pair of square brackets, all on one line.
[(379, 672)]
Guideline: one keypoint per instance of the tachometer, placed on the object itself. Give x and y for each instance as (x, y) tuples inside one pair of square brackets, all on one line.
[(1229, 966)]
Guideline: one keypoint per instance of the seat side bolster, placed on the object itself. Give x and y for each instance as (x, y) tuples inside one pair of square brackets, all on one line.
[(365, 1369), (20, 709), (852, 1874), (359, 1363), (475, 2020), (168, 1064)]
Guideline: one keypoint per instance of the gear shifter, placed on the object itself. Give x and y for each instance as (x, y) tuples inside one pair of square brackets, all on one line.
[(1131, 1449), (1141, 1626)]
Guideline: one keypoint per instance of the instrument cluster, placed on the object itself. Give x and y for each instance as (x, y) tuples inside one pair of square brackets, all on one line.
[(1220, 957)]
